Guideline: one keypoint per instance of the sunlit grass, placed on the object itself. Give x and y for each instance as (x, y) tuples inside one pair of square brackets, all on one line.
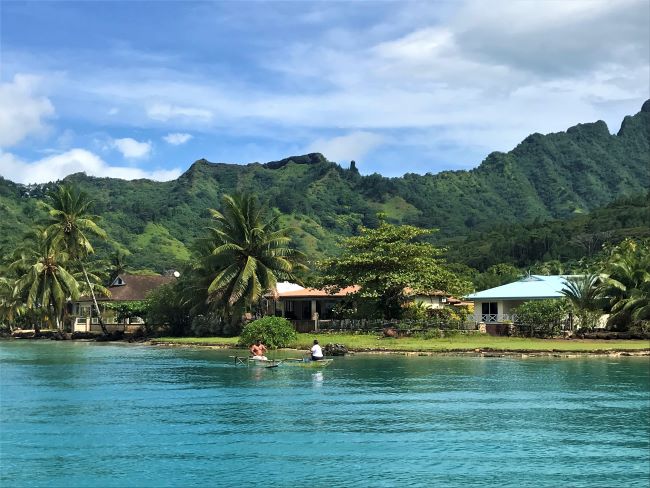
[(459, 343)]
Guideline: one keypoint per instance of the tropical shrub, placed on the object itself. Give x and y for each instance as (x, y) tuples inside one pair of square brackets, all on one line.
[(209, 325), (274, 332), (641, 330), (434, 333), (168, 309), (626, 283), (584, 294), (541, 318), (415, 311)]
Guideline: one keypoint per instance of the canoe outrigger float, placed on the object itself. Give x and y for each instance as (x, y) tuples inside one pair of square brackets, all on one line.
[(274, 363)]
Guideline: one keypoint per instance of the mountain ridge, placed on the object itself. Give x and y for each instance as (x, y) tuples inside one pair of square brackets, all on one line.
[(550, 176)]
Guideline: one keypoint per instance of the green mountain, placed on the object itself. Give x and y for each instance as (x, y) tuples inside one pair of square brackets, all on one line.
[(553, 176)]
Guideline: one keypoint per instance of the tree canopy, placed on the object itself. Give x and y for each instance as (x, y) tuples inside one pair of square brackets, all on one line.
[(389, 262)]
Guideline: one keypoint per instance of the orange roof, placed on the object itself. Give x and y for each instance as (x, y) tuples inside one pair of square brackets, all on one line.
[(315, 293)]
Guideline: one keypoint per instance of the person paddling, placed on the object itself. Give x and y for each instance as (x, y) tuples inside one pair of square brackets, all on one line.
[(258, 350), (316, 352)]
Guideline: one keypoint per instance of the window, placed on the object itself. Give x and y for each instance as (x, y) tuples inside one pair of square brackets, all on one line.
[(489, 308)]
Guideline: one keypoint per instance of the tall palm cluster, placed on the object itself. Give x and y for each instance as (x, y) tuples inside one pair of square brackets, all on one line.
[(623, 287), (243, 256), (626, 283), (50, 268)]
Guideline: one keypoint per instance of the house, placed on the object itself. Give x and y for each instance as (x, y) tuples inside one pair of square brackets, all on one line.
[(496, 305), (308, 308), (124, 288), (435, 299), (304, 306)]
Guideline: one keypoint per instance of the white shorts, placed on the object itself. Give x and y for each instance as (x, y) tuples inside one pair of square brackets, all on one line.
[(260, 358)]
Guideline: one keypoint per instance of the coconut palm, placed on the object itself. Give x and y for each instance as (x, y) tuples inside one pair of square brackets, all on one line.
[(248, 255), (11, 306), (584, 293), (626, 283), (43, 280), (71, 226)]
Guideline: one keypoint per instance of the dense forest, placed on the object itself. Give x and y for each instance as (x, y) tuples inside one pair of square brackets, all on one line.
[(553, 197)]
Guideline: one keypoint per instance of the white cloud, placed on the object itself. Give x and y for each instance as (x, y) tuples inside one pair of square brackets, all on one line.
[(132, 149), (472, 77), (166, 111), (177, 138), (345, 148), (77, 160), (21, 110)]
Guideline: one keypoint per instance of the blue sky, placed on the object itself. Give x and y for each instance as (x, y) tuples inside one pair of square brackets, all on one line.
[(145, 88)]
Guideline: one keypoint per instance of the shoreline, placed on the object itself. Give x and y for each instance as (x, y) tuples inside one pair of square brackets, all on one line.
[(379, 351), (481, 352)]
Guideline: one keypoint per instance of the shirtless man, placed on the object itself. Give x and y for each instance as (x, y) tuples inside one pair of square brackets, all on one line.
[(257, 350)]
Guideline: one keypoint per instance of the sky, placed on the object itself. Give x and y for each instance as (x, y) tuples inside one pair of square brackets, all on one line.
[(142, 89)]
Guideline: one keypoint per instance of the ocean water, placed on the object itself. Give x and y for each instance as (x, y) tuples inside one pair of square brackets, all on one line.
[(95, 415)]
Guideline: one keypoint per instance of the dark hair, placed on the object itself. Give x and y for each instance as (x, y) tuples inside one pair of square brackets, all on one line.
[(315, 341)]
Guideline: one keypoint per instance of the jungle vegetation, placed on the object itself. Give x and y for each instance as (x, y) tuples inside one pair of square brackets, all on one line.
[(569, 202)]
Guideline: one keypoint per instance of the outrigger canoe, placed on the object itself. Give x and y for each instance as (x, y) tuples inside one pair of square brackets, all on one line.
[(274, 363)]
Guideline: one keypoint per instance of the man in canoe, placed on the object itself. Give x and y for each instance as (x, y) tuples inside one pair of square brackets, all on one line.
[(258, 351), (316, 351)]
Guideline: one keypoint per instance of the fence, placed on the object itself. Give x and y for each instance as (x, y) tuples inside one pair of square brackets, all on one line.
[(86, 324), (375, 325)]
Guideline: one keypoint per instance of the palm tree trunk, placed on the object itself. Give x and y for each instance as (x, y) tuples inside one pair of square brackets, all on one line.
[(92, 294)]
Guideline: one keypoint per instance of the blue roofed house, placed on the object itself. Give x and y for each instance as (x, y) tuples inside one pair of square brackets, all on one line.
[(495, 306)]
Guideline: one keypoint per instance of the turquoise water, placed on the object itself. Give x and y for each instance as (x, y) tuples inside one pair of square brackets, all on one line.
[(78, 414)]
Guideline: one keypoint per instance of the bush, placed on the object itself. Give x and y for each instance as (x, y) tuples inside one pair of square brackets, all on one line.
[(415, 311), (209, 325), (640, 330), (274, 332), (541, 318), (432, 334)]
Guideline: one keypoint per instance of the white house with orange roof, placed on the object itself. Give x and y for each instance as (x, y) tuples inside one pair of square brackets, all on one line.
[(304, 305)]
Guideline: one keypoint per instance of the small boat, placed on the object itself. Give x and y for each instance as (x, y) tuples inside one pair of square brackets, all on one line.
[(308, 363), (274, 363)]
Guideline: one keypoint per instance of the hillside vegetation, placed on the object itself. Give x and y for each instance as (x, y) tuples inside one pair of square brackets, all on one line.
[(497, 209)]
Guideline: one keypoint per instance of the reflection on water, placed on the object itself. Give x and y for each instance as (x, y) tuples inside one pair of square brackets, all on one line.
[(75, 414)]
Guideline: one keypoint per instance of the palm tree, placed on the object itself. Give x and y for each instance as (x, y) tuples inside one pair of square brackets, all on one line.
[(248, 256), (585, 295), (626, 283), (71, 226), (43, 281), (117, 264), (10, 305)]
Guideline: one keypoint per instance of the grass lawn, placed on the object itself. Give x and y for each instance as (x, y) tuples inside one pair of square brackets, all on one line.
[(373, 342)]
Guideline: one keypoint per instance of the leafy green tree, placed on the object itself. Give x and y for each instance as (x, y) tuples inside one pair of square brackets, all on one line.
[(71, 225), (43, 280), (167, 307), (541, 318), (386, 261), (130, 309), (626, 283), (584, 293), (497, 275), (248, 254)]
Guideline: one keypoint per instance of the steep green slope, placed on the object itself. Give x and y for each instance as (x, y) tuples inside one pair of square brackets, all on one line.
[(552, 176), (566, 240)]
